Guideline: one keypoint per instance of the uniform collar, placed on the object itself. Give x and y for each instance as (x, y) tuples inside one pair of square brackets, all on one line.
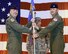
[(12, 17)]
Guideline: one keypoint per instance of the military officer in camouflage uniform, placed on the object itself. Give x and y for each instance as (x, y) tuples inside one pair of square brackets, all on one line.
[(41, 44), (14, 30), (55, 27)]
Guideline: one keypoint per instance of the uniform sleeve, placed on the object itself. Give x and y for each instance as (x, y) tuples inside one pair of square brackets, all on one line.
[(50, 27), (29, 24), (16, 26)]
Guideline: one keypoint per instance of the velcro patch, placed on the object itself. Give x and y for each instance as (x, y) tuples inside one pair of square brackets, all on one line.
[(55, 19), (12, 20)]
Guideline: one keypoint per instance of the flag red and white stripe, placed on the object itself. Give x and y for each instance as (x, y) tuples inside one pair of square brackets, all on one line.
[(42, 11)]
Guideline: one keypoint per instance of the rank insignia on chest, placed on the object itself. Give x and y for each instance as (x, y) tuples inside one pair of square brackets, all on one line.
[(55, 19), (12, 20)]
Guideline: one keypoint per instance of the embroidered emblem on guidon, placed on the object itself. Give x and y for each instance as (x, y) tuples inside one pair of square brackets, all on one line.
[(55, 19)]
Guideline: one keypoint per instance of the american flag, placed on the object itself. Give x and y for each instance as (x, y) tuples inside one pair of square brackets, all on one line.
[(5, 6), (42, 10)]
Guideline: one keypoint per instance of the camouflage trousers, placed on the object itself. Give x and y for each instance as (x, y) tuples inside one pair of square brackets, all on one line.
[(31, 51), (40, 47)]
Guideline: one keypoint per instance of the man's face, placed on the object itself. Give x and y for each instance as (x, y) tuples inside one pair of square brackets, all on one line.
[(14, 13), (53, 11), (39, 24)]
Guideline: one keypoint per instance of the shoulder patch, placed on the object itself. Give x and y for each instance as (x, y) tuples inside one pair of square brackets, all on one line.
[(55, 19), (12, 20)]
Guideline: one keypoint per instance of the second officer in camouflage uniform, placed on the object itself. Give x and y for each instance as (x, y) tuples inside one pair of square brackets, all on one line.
[(41, 44)]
